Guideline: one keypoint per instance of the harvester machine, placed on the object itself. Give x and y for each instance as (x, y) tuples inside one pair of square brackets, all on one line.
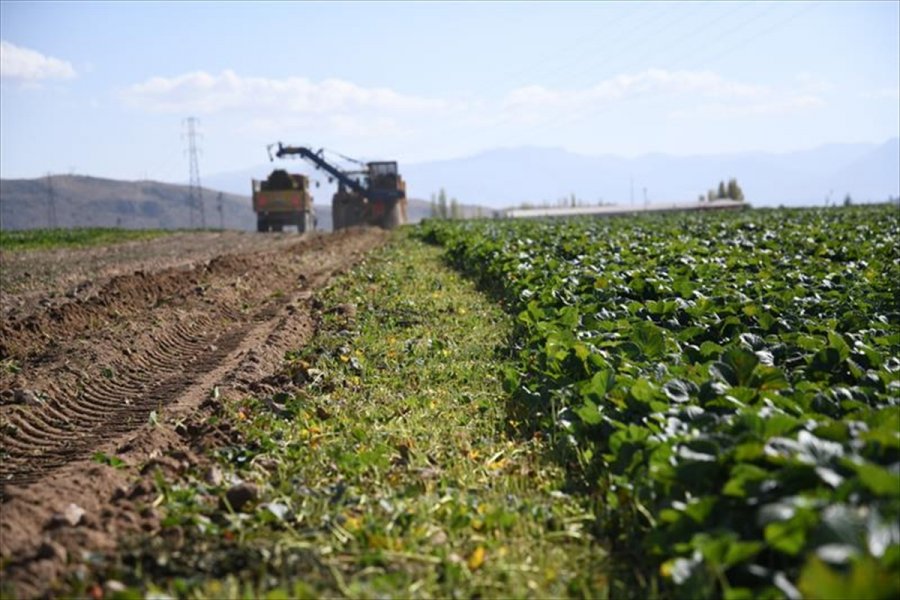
[(374, 195)]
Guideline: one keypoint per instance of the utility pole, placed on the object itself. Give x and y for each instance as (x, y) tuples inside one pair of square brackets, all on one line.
[(51, 203), (195, 191)]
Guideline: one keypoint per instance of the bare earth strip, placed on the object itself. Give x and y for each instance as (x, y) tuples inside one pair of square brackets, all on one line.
[(116, 351)]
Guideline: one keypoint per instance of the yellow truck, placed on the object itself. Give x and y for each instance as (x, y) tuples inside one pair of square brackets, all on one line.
[(283, 199)]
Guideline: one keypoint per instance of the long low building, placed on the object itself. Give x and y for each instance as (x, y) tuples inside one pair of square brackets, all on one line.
[(619, 209)]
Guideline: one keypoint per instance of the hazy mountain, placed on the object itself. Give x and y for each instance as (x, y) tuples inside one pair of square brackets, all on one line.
[(82, 201), (869, 172), (510, 176), (497, 178)]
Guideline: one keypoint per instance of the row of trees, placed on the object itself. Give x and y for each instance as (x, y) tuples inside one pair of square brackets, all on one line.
[(444, 208), (725, 191)]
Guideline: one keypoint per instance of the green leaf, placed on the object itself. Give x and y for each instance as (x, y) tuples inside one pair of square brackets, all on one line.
[(643, 391), (744, 479), (786, 537), (742, 362), (836, 341), (865, 579), (589, 413), (105, 459), (825, 360), (879, 480), (649, 338), (709, 349), (790, 536), (769, 378), (598, 386)]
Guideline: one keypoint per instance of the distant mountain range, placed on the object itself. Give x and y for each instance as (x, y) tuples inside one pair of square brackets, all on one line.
[(513, 176), (81, 201), (496, 179)]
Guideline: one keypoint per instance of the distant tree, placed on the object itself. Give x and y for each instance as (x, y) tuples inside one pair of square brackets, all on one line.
[(734, 191), (573, 200), (848, 201), (711, 195), (442, 204), (722, 193), (433, 207), (455, 212), (701, 198)]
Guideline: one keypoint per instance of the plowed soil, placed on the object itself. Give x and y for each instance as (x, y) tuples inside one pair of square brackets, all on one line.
[(119, 354)]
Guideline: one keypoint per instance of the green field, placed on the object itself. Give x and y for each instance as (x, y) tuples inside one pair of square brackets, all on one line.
[(685, 406), (726, 387), (44, 239)]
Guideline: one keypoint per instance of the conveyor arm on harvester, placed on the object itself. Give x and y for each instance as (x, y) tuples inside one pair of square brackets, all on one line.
[(321, 163), (317, 159)]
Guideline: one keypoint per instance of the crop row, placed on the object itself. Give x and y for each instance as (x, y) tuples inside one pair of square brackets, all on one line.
[(725, 385), (32, 239)]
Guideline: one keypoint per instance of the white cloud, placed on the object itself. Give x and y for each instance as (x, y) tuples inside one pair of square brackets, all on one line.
[(339, 124), (202, 92), (882, 94), (653, 82), (687, 93), (28, 65), (812, 84), (772, 107)]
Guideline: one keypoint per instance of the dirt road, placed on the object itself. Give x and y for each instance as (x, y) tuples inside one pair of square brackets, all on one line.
[(112, 355)]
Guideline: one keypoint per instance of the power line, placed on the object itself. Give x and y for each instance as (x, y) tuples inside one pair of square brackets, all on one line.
[(195, 191), (614, 53), (728, 34), (571, 117), (534, 72), (781, 23)]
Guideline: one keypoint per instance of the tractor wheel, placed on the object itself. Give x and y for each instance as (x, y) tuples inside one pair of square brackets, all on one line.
[(393, 218), (337, 216), (277, 227), (262, 224), (300, 220)]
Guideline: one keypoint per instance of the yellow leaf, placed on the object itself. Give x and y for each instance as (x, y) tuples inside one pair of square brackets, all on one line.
[(666, 569), (476, 559), (497, 465)]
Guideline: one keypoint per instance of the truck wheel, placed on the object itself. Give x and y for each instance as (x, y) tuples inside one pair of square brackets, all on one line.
[(277, 227), (300, 221), (393, 217), (262, 224)]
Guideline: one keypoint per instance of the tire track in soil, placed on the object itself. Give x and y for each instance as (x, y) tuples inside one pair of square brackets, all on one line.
[(178, 325)]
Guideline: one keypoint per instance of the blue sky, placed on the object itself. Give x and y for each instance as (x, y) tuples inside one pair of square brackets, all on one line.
[(103, 88)]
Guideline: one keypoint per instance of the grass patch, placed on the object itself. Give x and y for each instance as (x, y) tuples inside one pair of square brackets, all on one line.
[(43, 239), (381, 464)]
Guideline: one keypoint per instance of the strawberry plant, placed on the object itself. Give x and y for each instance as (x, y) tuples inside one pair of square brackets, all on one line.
[(726, 385)]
